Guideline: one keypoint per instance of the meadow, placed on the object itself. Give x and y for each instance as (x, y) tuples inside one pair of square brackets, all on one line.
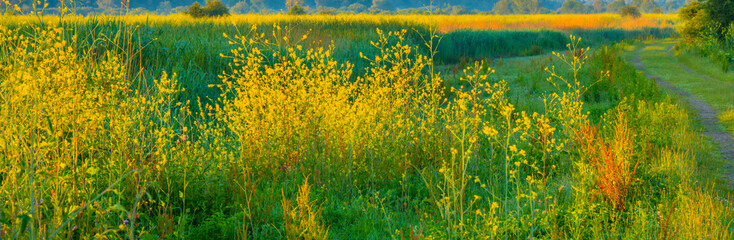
[(347, 127)]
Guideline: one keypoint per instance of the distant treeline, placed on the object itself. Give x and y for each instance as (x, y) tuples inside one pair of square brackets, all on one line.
[(454, 7)]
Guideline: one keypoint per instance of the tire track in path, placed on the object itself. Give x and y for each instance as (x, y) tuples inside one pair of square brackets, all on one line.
[(704, 112)]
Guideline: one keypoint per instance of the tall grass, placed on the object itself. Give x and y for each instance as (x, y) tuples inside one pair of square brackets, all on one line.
[(468, 45)]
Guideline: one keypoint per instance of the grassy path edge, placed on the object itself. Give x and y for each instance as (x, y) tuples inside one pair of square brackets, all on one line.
[(704, 112)]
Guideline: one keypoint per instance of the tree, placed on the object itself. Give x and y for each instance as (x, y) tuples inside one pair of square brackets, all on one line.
[(326, 10), (258, 5), (357, 8), (385, 5), (526, 7), (164, 7), (215, 8), (290, 3), (693, 19), (598, 6), (502, 7), (330, 3), (615, 6), (648, 5), (636, 3), (630, 11), (195, 10), (573, 7), (296, 10), (458, 10), (105, 4), (241, 7), (671, 6)]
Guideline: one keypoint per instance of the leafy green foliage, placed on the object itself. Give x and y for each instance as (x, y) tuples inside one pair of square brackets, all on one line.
[(648, 6), (241, 8), (296, 10), (709, 29), (615, 6), (195, 10), (573, 7), (213, 8), (598, 6), (693, 18), (630, 11), (383, 5), (720, 11), (518, 7)]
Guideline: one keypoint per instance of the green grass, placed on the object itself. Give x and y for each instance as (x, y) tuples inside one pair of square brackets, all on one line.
[(658, 57), (703, 65), (660, 62)]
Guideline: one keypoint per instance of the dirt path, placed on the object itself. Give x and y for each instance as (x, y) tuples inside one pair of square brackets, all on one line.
[(704, 112)]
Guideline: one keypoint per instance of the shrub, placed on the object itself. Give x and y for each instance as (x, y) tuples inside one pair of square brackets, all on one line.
[(720, 11), (629, 11), (693, 20)]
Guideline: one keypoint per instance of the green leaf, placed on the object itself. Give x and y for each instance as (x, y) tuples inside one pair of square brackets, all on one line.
[(24, 219)]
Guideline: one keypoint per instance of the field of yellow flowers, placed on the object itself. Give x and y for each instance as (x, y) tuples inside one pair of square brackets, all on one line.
[(101, 138)]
